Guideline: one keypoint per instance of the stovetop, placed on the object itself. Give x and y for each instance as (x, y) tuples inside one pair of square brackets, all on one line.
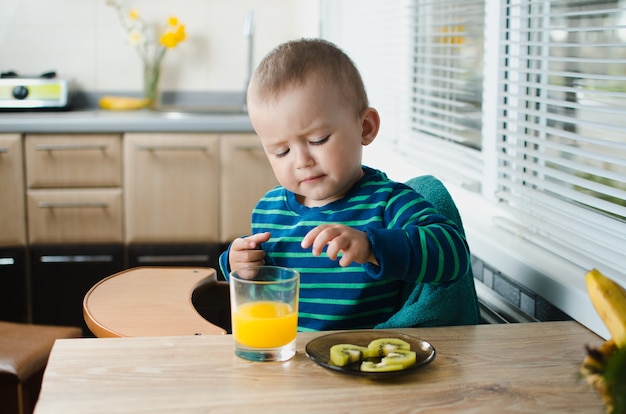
[(37, 92)]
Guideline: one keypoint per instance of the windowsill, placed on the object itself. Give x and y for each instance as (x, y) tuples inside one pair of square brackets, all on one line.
[(549, 276)]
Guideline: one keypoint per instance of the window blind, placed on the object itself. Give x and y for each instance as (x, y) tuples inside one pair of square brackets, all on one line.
[(561, 135), (447, 89), (544, 128), (421, 61), (446, 94)]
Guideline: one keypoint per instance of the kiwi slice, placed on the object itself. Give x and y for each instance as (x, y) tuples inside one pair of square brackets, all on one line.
[(400, 356), (383, 346), (344, 354), (369, 366)]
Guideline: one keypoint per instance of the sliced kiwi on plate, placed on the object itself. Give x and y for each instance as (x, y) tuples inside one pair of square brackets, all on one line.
[(370, 366), (344, 354), (318, 350), (383, 346), (394, 360), (381, 355), (400, 356)]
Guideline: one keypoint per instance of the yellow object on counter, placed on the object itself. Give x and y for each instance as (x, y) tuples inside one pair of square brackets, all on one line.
[(605, 367), (609, 299), (123, 103)]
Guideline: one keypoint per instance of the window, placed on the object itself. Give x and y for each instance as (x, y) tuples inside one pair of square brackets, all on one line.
[(523, 101), (446, 89), (421, 61), (561, 127)]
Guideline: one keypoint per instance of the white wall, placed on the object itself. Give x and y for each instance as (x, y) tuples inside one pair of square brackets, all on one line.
[(83, 41)]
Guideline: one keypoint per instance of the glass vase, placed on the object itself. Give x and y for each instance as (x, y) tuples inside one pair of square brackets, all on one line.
[(151, 77)]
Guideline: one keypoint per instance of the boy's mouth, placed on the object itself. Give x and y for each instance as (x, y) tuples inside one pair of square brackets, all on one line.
[(312, 179)]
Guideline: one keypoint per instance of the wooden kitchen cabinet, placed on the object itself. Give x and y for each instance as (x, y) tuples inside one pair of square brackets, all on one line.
[(12, 216), (246, 176), (13, 281), (99, 203), (74, 188), (74, 200), (172, 187)]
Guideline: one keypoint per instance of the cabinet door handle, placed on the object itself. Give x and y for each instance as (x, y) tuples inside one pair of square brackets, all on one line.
[(199, 258), (71, 147), (103, 258), (249, 148), (81, 204), (172, 148), (4, 150)]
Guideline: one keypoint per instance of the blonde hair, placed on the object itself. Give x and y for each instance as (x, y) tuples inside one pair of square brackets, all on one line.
[(295, 62)]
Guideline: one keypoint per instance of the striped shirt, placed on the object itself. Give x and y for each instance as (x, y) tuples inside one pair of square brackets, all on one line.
[(410, 240)]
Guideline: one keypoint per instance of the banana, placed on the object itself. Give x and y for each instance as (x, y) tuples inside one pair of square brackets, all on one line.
[(609, 299), (122, 103)]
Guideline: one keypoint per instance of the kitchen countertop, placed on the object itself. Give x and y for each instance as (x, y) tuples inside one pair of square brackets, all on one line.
[(181, 112), (103, 121)]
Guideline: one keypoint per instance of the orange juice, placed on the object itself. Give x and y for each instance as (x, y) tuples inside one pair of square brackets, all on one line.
[(264, 324)]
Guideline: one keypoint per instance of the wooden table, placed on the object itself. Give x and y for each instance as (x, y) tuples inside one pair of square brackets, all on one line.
[(529, 367)]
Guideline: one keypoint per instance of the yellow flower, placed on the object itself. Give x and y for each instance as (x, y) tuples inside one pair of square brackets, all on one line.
[(180, 33), (136, 37), (171, 39), (174, 34), (168, 40), (133, 14), (150, 45)]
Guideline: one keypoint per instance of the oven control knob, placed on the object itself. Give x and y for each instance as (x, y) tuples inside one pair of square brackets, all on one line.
[(20, 92)]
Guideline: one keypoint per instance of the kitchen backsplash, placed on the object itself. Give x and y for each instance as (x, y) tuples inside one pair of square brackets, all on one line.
[(82, 40)]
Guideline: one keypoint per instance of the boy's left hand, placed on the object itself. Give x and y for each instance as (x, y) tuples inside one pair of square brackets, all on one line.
[(352, 244)]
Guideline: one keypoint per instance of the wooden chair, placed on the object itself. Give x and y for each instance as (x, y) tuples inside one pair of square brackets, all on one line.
[(157, 301)]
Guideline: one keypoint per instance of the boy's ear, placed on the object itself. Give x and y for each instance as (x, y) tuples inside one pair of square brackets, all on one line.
[(370, 121)]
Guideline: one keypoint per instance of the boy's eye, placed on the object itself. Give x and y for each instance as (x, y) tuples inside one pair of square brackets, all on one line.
[(321, 141), (282, 153)]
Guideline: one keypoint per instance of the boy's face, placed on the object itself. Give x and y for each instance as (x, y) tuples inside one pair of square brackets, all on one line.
[(313, 140)]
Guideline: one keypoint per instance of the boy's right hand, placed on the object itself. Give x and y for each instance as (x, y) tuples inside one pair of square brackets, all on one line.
[(246, 251)]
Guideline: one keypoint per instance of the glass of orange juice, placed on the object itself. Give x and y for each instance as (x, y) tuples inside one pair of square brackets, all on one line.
[(264, 311)]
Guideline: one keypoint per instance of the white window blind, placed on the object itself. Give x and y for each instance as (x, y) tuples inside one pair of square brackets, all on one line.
[(446, 94), (544, 128), (561, 135), (421, 61)]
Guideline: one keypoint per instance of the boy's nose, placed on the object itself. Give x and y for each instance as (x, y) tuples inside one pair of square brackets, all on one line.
[(304, 159)]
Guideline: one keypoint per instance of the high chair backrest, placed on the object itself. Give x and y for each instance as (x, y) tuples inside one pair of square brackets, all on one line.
[(437, 305)]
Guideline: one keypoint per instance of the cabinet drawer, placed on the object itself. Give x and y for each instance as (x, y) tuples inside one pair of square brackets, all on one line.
[(72, 216), (12, 218), (73, 161)]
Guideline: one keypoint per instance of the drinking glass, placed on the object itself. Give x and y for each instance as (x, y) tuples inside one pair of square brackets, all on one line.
[(264, 310)]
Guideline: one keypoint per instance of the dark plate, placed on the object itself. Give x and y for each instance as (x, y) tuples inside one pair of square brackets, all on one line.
[(318, 350)]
